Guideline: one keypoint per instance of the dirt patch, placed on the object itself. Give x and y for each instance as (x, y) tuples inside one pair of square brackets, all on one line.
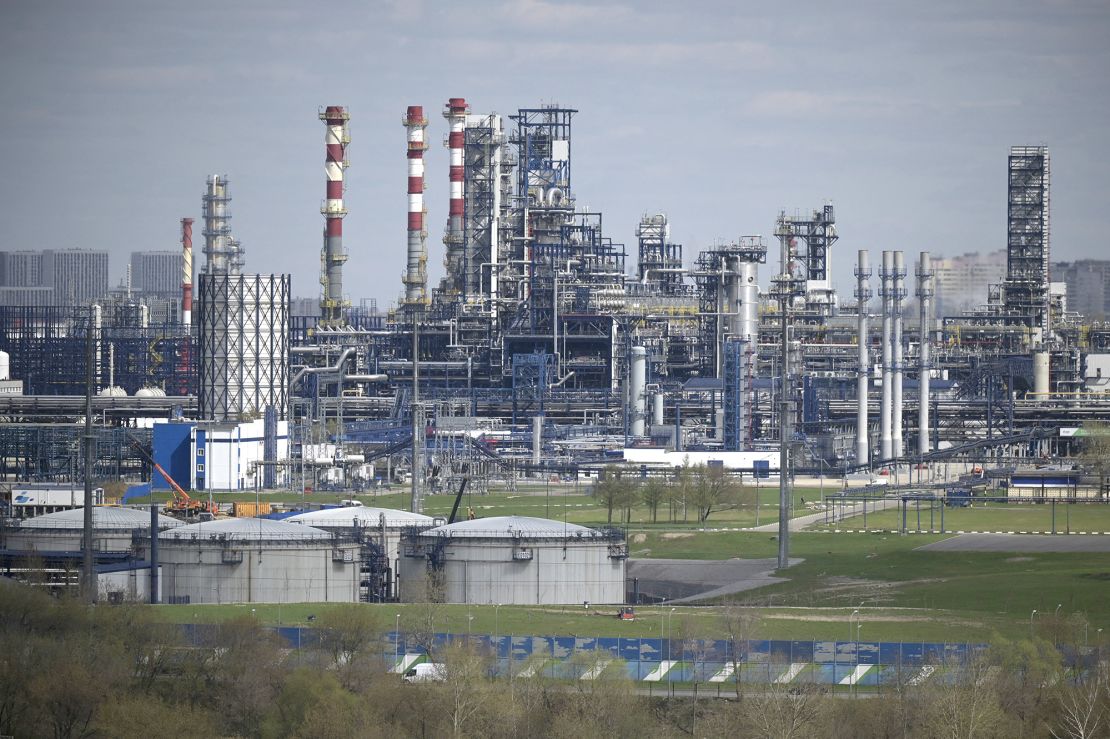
[(638, 538), (1019, 559), (676, 535)]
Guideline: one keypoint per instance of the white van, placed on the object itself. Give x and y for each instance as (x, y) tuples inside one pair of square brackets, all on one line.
[(426, 672)]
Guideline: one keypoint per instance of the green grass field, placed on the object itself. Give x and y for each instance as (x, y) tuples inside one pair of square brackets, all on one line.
[(990, 517)]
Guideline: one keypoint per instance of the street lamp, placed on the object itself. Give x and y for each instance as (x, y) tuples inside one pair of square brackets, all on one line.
[(495, 609), (669, 619), (1031, 615), (397, 636), (853, 613)]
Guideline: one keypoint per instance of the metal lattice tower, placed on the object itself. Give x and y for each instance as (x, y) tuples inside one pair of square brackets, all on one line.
[(1027, 236)]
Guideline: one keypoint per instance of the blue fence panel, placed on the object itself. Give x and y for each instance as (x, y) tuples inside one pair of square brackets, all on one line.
[(759, 650), (562, 647), (630, 650), (801, 651), (651, 650), (868, 653), (610, 644), (824, 651), (933, 653)]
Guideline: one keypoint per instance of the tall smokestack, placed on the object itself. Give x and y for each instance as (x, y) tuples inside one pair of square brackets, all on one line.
[(925, 296), (187, 271), (455, 112), (336, 138), (416, 281), (863, 294), (886, 289), (896, 390)]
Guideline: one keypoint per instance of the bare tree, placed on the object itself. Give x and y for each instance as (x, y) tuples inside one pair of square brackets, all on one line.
[(466, 688), (783, 712), (712, 489), (351, 636), (739, 624), (614, 491), (1082, 712), (653, 492)]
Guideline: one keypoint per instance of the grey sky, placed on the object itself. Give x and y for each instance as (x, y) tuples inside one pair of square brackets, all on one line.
[(717, 113)]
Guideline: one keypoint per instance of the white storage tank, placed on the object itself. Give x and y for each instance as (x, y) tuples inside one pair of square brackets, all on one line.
[(257, 560), (514, 559), (115, 529)]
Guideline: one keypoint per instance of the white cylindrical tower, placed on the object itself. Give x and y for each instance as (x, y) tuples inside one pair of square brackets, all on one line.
[(657, 409), (416, 278), (336, 138), (1041, 385), (636, 386), (896, 341), (925, 367), (886, 289), (863, 381), (219, 251)]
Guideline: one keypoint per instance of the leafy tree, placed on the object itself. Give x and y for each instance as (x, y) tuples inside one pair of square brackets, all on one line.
[(614, 491), (653, 492), (1095, 455), (711, 489), (350, 636)]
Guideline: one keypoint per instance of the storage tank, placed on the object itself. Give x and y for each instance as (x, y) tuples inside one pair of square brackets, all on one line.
[(257, 560), (150, 392), (379, 530), (514, 559), (115, 529)]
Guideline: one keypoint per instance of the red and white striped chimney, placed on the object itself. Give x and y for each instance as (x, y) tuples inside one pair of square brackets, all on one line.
[(455, 113), (416, 283), (187, 271), (336, 138)]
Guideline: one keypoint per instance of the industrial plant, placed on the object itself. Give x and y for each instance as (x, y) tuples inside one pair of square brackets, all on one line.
[(549, 350)]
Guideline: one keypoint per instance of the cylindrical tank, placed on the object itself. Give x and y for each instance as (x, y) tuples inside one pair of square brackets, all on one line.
[(896, 347), (863, 294), (257, 560), (537, 438), (115, 529), (1041, 374), (5, 366), (636, 386), (657, 409), (886, 290), (150, 392), (925, 368), (515, 559), (748, 306), (719, 424)]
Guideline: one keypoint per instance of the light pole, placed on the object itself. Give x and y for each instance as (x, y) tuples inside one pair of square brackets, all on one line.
[(1056, 624), (495, 614), (1031, 615), (397, 637), (670, 617), (850, 615)]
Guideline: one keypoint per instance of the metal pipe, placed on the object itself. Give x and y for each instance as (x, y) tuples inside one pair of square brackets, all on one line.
[(863, 384), (637, 384), (885, 291), (925, 367), (896, 391)]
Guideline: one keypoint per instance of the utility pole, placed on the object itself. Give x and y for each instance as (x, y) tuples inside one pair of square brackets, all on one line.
[(88, 583), (785, 287)]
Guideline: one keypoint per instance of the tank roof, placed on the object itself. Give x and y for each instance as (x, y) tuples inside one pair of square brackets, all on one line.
[(246, 529), (104, 517), (514, 527), (363, 515)]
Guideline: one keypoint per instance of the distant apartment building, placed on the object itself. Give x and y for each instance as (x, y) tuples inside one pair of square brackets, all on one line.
[(156, 273), (53, 276), (1088, 286), (20, 269), (78, 276), (961, 282)]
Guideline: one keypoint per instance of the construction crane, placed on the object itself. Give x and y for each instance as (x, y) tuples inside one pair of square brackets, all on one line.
[(182, 504)]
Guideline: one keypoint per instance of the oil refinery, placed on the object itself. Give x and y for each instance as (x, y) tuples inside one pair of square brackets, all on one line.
[(545, 352)]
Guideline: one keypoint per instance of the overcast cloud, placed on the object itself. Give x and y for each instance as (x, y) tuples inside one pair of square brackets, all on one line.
[(718, 113)]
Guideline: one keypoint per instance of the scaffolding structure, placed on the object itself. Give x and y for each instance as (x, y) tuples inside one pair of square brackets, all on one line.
[(1026, 290)]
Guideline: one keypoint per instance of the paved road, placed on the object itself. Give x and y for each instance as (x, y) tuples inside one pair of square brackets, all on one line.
[(1020, 543), (688, 580), (798, 523)]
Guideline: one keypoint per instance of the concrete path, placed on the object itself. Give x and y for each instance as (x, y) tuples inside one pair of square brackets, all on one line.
[(799, 523), (688, 580)]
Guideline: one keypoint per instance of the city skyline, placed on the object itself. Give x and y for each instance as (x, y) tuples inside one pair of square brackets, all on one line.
[(901, 117)]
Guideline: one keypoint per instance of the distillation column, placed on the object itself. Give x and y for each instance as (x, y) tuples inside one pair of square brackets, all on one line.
[(637, 384), (416, 282), (219, 247), (187, 271), (896, 391), (925, 367), (863, 383), (885, 290), (336, 139)]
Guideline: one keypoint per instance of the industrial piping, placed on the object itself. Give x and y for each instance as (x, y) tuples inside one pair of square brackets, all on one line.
[(863, 294), (925, 367), (636, 386), (416, 283), (187, 271), (336, 138), (896, 390), (885, 291), (220, 250)]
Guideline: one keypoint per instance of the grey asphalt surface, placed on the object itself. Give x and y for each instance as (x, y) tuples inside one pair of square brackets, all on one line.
[(688, 580), (800, 523), (1021, 543)]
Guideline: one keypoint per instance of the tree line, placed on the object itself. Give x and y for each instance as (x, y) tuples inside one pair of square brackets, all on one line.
[(69, 670), (692, 490)]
